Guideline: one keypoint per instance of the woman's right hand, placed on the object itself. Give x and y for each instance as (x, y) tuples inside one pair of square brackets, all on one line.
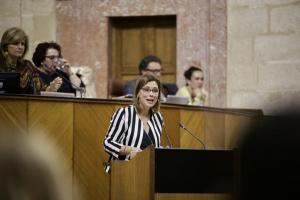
[(56, 84), (128, 150), (195, 92)]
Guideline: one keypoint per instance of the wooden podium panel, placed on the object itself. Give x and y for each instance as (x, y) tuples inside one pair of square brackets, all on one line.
[(172, 172), (134, 179)]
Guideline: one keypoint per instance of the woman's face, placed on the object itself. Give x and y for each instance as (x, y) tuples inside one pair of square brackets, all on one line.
[(16, 50), (196, 80), (148, 95), (51, 60)]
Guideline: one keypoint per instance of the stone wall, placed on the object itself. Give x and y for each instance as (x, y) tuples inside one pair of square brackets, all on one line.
[(36, 18), (263, 66), (82, 29)]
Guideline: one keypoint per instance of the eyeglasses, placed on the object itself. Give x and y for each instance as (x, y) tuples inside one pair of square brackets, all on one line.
[(155, 71), (147, 90), (53, 57)]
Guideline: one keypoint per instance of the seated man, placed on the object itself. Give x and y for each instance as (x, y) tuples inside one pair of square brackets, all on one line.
[(151, 65)]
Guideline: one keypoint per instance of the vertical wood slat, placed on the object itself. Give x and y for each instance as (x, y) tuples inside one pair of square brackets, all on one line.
[(13, 116), (91, 123), (133, 180), (54, 120), (171, 116), (194, 123), (214, 130)]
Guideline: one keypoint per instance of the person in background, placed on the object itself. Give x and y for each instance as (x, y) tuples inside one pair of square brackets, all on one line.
[(194, 89), (14, 46), (134, 127), (54, 71), (150, 65)]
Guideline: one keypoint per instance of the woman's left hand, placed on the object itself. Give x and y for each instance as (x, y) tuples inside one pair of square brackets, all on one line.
[(65, 66), (134, 152)]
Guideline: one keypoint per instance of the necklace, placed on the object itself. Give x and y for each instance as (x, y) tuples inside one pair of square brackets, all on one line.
[(11, 66)]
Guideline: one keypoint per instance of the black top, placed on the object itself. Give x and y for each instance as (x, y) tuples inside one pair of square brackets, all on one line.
[(147, 140), (66, 85)]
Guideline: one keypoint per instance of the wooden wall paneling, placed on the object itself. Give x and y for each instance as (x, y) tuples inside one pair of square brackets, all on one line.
[(171, 118), (79, 127), (13, 116), (193, 120), (54, 120), (235, 127), (90, 126), (214, 130)]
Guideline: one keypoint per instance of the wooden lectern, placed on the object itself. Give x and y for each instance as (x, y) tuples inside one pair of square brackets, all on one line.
[(182, 171)]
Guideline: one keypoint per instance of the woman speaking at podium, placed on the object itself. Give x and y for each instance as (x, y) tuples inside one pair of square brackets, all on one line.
[(134, 127)]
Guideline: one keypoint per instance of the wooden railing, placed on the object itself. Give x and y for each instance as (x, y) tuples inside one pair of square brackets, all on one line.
[(78, 127)]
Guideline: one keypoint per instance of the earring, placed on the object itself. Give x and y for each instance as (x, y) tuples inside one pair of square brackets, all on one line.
[(138, 101)]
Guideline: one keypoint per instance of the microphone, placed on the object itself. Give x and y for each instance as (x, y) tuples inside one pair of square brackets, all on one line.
[(184, 128), (80, 89), (107, 165), (167, 136)]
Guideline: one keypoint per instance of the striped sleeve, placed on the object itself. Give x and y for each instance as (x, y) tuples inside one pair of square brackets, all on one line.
[(156, 125), (112, 141)]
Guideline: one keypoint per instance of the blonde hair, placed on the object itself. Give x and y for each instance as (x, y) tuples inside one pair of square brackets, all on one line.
[(140, 83), (11, 36)]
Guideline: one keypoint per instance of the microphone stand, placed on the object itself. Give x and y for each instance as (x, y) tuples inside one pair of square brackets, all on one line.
[(184, 128), (167, 136)]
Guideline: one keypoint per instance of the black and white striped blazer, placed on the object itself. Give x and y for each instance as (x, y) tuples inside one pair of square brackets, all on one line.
[(126, 128)]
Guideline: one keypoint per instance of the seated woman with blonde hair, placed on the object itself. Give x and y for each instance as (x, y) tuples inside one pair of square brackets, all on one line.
[(14, 45), (194, 89)]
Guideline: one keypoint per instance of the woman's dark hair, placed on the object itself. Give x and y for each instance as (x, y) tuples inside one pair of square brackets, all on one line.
[(146, 60), (39, 54), (188, 73), (140, 83)]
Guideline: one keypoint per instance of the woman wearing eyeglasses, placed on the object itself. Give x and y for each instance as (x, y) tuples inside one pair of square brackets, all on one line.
[(14, 45), (137, 126), (194, 89), (54, 71)]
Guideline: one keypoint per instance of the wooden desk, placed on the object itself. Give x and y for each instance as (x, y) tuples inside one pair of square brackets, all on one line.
[(78, 127)]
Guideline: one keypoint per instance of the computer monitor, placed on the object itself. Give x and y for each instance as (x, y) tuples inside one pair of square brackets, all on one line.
[(9, 82)]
